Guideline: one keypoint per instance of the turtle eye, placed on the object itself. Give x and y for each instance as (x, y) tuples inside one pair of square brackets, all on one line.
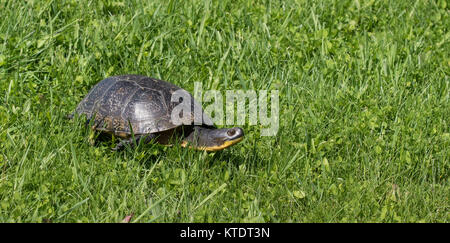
[(231, 132)]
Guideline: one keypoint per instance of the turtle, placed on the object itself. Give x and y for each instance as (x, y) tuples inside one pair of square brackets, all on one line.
[(136, 107)]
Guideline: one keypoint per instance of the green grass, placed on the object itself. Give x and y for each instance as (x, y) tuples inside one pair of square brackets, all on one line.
[(364, 121)]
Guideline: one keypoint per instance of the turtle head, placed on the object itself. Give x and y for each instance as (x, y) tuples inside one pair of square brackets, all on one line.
[(212, 139)]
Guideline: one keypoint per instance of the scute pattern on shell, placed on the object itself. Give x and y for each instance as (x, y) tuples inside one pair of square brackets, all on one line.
[(132, 103)]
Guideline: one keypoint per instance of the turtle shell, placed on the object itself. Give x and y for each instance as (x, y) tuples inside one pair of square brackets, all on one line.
[(134, 104)]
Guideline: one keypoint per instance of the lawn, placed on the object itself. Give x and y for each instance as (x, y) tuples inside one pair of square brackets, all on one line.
[(363, 125)]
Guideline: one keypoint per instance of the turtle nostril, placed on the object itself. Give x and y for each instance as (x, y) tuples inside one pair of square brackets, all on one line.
[(231, 132)]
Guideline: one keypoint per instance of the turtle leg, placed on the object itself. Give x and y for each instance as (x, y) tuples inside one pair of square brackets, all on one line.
[(91, 137), (132, 142)]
